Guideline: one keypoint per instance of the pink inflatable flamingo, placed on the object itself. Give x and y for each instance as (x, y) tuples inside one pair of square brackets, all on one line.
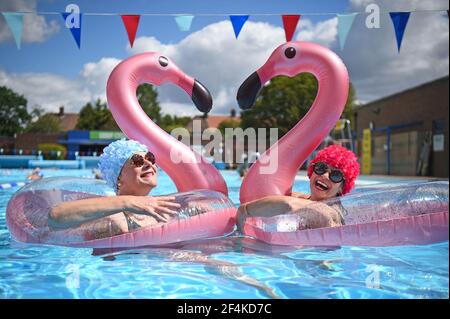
[(207, 210), (275, 171), (416, 214), (186, 168)]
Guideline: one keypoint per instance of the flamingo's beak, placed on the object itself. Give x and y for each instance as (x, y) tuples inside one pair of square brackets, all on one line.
[(201, 97), (248, 91)]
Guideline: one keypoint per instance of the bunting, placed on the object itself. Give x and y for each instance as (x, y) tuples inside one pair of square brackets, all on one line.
[(290, 24), (184, 22), (72, 21), (399, 19), (73, 18), (345, 22), (131, 23), (14, 20), (238, 22)]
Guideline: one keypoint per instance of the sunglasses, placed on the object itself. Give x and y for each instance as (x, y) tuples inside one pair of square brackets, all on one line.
[(138, 160), (336, 175)]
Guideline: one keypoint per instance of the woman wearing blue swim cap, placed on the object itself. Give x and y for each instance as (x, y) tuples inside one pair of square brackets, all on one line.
[(130, 169)]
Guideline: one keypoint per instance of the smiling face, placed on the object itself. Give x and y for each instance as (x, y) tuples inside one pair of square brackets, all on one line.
[(322, 187), (137, 180)]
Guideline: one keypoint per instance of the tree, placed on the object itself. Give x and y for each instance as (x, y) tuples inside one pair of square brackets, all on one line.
[(47, 123), (148, 99), (99, 117), (13, 112), (168, 122), (284, 102), (96, 117)]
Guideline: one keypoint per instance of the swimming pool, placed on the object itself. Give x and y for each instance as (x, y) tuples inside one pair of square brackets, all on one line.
[(232, 267)]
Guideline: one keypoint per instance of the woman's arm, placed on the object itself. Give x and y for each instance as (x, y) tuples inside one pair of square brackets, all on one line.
[(300, 195), (74, 213), (318, 215), (268, 207), (314, 214)]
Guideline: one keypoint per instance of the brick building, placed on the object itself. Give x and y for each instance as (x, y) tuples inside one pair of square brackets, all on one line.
[(409, 131)]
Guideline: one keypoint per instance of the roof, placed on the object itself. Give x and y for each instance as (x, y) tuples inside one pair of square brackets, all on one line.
[(68, 121)]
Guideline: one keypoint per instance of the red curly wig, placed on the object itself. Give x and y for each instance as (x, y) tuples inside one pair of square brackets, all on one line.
[(341, 158)]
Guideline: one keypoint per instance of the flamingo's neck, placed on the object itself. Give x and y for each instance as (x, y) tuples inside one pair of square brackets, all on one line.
[(184, 166), (284, 159)]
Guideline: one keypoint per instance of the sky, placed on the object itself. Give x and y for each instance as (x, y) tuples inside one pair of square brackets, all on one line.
[(50, 71)]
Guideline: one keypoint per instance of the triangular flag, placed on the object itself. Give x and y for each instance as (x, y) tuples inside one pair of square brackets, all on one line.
[(290, 24), (399, 19), (238, 22), (74, 29), (345, 22), (131, 23), (184, 22), (15, 24)]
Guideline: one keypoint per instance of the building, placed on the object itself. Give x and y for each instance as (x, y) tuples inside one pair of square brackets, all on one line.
[(77, 142), (406, 133)]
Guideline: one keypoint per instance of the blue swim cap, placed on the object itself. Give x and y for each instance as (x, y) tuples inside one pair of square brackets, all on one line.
[(114, 157)]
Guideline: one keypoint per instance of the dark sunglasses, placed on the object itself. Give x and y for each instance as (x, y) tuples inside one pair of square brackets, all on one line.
[(336, 175), (138, 160)]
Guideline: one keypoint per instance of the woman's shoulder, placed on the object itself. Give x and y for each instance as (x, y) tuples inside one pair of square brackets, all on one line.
[(301, 195)]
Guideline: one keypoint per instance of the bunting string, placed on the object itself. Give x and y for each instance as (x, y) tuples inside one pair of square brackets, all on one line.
[(221, 14), (73, 18)]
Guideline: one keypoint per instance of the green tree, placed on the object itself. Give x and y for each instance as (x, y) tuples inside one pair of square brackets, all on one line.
[(148, 99), (46, 123), (13, 112), (99, 117), (284, 102), (168, 122), (96, 117)]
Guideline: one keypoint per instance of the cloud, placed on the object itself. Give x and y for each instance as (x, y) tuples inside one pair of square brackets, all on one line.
[(35, 28), (214, 57), (51, 91), (47, 90), (324, 32), (375, 67), (94, 76)]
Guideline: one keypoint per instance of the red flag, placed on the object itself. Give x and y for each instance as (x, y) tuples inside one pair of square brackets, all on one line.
[(290, 24), (131, 23)]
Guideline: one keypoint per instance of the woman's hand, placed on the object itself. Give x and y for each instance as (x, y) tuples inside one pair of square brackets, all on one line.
[(155, 206)]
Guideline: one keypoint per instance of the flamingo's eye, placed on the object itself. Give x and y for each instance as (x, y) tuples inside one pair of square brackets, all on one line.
[(290, 52), (163, 61)]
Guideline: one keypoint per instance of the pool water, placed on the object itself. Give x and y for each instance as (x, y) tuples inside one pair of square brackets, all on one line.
[(227, 267)]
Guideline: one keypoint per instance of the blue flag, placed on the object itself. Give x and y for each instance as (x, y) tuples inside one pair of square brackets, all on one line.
[(238, 22), (345, 22), (15, 24), (184, 22), (74, 25), (399, 19)]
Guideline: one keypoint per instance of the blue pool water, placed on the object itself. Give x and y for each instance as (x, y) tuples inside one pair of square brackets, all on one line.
[(231, 267)]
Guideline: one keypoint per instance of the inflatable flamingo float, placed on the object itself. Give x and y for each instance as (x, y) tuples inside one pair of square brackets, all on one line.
[(186, 168), (413, 214), (205, 209)]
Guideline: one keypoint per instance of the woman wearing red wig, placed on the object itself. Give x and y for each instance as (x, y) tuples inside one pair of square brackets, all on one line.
[(332, 173)]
